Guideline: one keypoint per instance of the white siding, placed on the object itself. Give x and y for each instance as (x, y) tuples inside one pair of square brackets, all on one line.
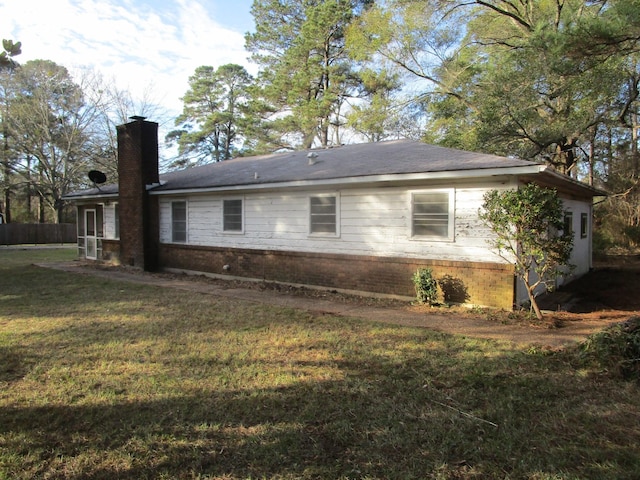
[(580, 255), (372, 222), (109, 221)]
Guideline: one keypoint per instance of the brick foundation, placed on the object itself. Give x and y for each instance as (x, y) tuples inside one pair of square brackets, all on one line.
[(477, 283), (111, 251)]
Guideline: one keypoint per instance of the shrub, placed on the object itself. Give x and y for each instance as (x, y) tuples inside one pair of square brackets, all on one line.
[(526, 223), (602, 242), (426, 286), (632, 233), (616, 349)]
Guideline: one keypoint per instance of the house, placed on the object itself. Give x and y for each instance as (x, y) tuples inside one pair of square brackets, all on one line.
[(358, 218)]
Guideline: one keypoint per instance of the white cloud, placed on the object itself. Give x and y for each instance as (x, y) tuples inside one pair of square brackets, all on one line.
[(141, 47)]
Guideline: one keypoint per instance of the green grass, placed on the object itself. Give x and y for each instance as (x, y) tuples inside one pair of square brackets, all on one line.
[(101, 379)]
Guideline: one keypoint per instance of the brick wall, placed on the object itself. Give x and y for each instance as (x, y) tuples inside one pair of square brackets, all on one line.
[(477, 283), (137, 168), (111, 251)]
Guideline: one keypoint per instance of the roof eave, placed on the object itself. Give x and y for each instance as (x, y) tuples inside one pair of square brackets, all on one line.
[(571, 185), (358, 180), (93, 197)]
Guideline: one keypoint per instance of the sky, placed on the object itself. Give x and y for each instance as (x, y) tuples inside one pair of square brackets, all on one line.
[(142, 45)]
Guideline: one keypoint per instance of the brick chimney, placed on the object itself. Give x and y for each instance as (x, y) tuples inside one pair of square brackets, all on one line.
[(138, 211)]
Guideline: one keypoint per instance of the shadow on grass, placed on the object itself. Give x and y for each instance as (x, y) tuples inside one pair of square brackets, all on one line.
[(380, 421), (353, 400)]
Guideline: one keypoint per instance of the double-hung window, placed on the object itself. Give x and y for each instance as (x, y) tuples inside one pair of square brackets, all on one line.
[(116, 215), (232, 213), (432, 214), (584, 225), (324, 215), (179, 221), (568, 223)]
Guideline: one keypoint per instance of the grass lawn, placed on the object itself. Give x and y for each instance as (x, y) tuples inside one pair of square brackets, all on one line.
[(107, 380)]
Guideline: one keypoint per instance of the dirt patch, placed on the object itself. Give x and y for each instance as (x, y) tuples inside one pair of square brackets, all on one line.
[(607, 295), (610, 291)]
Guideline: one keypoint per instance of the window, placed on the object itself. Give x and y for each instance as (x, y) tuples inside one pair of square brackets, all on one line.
[(568, 223), (116, 214), (584, 225), (432, 214), (323, 215), (179, 222), (232, 215)]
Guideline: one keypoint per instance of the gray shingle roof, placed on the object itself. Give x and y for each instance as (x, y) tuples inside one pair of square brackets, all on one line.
[(348, 161), (358, 160)]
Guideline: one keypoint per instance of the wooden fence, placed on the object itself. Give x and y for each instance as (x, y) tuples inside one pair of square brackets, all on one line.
[(37, 233)]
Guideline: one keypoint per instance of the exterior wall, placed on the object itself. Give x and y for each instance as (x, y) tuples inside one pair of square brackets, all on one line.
[(109, 212), (477, 283), (374, 222), (374, 251), (581, 255), (107, 249), (83, 237), (111, 251)]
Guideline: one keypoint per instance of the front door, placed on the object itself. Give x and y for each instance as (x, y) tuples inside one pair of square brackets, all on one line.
[(91, 241)]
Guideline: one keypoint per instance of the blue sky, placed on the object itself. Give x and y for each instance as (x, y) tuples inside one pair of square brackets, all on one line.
[(142, 45)]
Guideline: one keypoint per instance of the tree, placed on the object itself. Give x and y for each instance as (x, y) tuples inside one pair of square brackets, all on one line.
[(510, 78), (10, 50), (527, 223), (50, 124), (7, 68), (414, 40), (214, 116), (375, 116), (306, 73), (113, 106)]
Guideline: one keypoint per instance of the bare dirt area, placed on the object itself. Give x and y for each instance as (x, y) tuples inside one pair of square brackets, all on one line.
[(607, 295), (610, 291)]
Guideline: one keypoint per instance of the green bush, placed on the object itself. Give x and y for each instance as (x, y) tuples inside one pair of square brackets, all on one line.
[(602, 242), (616, 349), (632, 233), (426, 286)]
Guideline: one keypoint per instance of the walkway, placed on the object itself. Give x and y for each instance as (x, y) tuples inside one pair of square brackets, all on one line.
[(521, 335)]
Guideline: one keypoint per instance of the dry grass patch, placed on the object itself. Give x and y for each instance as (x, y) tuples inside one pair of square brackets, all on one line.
[(103, 379)]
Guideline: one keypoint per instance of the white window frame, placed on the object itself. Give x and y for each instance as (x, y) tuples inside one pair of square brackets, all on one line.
[(242, 202), (335, 234), (450, 237), (567, 222), (584, 225), (116, 220), (91, 241), (186, 221)]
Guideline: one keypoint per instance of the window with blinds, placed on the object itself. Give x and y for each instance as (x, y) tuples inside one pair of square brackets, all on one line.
[(323, 215), (179, 222), (432, 214), (232, 215)]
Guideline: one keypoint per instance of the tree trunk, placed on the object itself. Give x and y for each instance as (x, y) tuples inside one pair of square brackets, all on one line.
[(41, 207), (307, 142), (634, 145), (564, 158), (592, 160), (7, 186), (531, 294), (7, 172), (59, 211), (29, 191), (534, 303), (7, 205)]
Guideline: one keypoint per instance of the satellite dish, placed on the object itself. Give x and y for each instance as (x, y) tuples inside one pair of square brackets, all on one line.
[(97, 177)]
